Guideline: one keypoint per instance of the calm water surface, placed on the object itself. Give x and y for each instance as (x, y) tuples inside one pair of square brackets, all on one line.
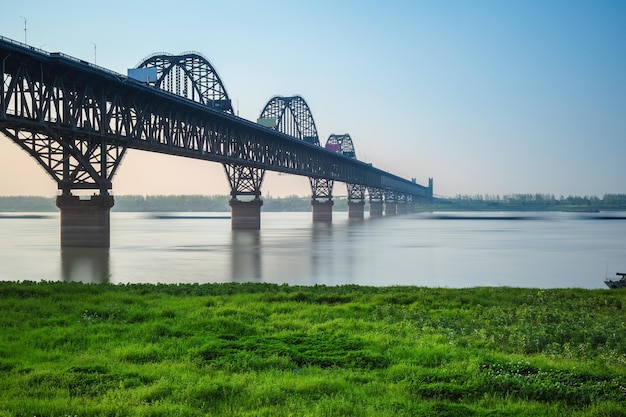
[(544, 250)]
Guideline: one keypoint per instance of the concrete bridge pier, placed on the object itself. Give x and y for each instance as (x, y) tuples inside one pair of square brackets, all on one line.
[(410, 205), (322, 211), (376, 208), (356, 209), (390, 208), (245, 214), (85, 223), (401, 207)]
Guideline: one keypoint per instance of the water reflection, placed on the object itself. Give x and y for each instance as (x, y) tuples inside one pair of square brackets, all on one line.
[(322, 250), (546, 250), (245, 253), (88, 265)]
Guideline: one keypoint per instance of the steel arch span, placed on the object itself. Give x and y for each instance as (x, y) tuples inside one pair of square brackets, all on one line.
[(289, 115), (189, 75), (292, 116), (341, 144), (344, 145), (192, 76)]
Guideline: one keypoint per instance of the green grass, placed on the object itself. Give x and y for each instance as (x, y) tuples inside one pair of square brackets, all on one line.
[(70, 349)]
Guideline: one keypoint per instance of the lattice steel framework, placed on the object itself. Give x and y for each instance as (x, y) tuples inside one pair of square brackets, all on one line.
[(192, 76), (74, 157), (343, 144), (189, 75), (375, 194), (73, 161), (244, 180), (77, 120), (292, 116)]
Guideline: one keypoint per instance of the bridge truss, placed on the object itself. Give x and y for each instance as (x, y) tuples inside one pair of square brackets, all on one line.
[(77, 120), (292, 116), (189, 75), (343, 144)]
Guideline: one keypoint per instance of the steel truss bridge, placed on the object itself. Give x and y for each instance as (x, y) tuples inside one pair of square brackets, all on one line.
[(77, 120)]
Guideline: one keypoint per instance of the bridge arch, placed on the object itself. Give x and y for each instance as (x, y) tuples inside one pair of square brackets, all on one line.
[(292, 116), (356, 192), (189, 75), (341, 144)]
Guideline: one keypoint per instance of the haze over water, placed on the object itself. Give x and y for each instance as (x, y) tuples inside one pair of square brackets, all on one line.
[(544, 250)]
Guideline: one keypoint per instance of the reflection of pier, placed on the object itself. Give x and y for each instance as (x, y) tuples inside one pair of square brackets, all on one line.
[(322, 259), (88, 265), (246, 255)]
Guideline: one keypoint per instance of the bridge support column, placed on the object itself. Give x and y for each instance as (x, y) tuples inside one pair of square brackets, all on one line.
[(410, 204), (322, 210), (401, 207), (390, 208), (376, 202), (376, 208), (322, 199), (85, 223), (245, 214), (245, 181), (356, 209)]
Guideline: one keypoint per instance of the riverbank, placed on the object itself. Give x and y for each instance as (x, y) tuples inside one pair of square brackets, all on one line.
[(267, 350)]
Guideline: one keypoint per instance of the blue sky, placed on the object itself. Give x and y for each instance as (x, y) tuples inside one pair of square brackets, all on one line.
[(486, 97)]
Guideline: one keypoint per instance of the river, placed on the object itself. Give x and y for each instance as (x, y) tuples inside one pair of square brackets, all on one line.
[(538, 250)]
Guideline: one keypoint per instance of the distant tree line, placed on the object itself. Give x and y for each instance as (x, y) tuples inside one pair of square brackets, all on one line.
[(27, 203), (532, 202), (171, 203), (219, 203), (166, 203)]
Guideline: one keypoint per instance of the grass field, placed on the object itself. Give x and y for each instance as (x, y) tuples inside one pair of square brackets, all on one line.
[(70, 349)]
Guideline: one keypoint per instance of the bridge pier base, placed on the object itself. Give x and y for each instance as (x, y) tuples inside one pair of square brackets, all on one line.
[(376, 208), (245, 215), (401, 208), (322, 211), (390, 208), (356, 209), (85, 223)]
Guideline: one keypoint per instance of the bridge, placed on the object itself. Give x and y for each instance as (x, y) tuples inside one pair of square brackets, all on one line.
[(77, 120)]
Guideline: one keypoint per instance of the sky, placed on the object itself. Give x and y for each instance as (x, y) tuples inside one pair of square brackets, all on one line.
[(487, 97)]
